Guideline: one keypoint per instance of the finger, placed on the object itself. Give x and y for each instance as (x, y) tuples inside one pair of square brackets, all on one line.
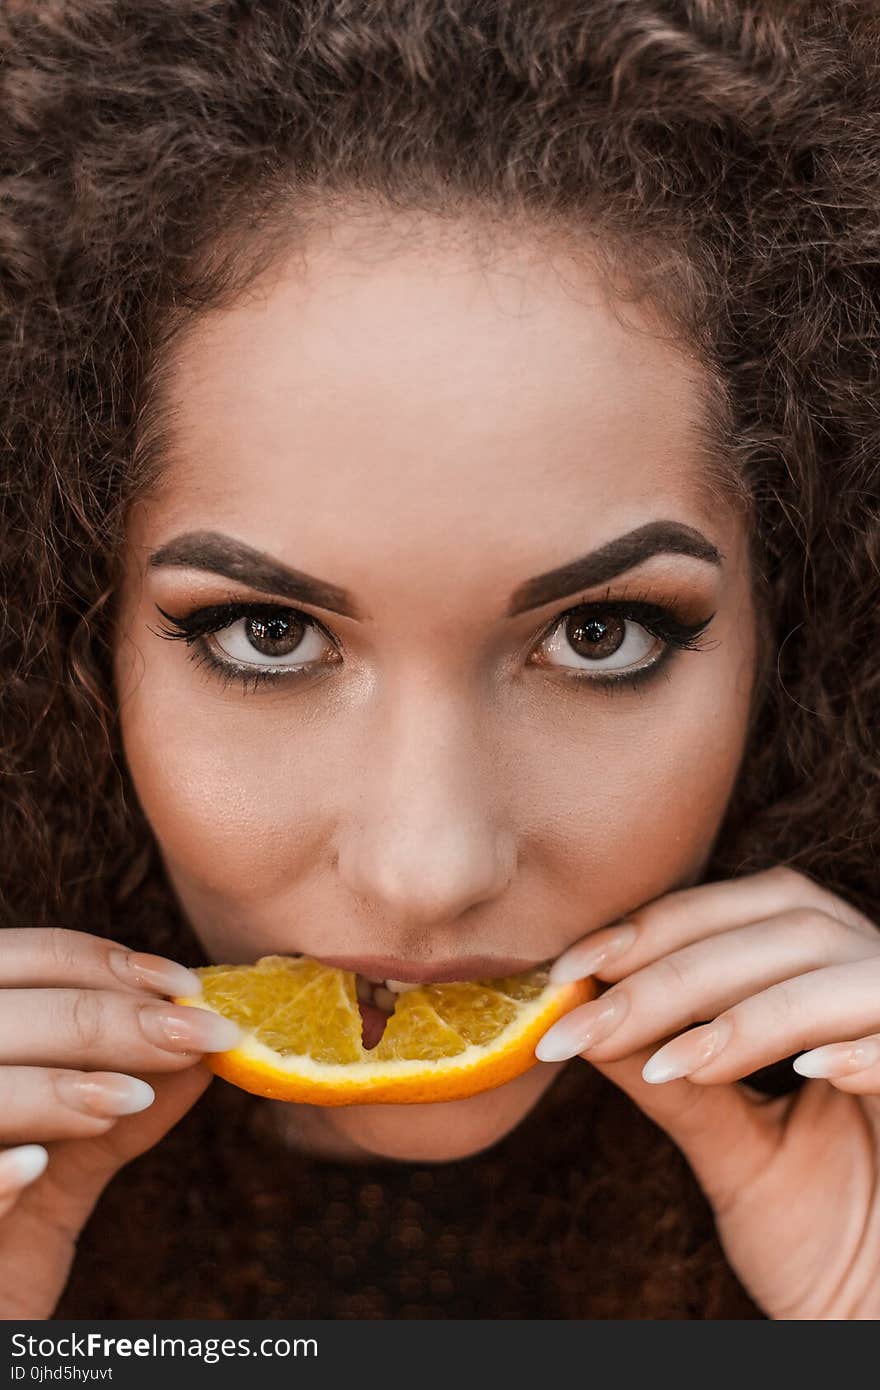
[(703, 979), (48, 1103), (852, 1066), (79, 1170), (692, 914), (34, 956), (18, 1168), (48, 1214), (96, 1028), (824, 1006), (175, 1095), (728, 1133)]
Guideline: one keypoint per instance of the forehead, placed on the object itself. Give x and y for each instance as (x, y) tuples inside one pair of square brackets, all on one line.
[(413, 387)]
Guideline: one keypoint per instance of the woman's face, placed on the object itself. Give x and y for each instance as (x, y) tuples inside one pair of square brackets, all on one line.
[(409, 451)]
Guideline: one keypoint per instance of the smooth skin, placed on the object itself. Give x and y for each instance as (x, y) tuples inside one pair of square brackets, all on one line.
[(79, 1024), (428, 426), (428, 429), (776, 964)]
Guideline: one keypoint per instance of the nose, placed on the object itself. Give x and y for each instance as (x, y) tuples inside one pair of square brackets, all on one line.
[(424, 841)]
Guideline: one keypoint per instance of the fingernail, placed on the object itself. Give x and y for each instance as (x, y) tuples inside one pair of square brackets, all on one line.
[(582, 959), (189, 1030), (105, 1094), (687, 1053), (580, 1029), (20, 1166), (838, 1059), (154, 972)]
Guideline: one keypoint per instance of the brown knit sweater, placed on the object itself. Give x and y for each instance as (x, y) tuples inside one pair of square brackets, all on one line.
[(586, 1210)]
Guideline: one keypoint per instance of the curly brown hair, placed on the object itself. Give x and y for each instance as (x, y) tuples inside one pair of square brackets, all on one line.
[(156, 153), (140, 136)]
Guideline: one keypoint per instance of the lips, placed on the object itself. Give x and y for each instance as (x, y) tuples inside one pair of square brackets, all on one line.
[(378, 969)]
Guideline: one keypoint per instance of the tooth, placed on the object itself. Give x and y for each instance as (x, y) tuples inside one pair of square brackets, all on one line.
[(399, 986), (384, 999)]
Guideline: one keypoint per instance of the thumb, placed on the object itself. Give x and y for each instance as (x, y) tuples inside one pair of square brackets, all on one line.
[(38, 1236), (80, 1169), (726, 1132)]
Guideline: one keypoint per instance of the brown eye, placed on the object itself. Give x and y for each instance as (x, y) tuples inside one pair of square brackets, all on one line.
[(596, 640), (275, 637), (594, 637), (276, 634)]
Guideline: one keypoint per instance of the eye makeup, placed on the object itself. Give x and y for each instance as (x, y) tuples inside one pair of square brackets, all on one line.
[(197, 627), (662, 621)]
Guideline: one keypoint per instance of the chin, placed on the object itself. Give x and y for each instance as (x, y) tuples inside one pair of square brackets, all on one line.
[(444, 1132)]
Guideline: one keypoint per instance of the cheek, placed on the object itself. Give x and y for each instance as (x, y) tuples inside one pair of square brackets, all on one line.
[(635, 792), (230, 797), (616, 798)]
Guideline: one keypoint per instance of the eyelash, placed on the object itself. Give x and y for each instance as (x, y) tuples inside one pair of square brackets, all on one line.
[(193, 628), (660, 621)]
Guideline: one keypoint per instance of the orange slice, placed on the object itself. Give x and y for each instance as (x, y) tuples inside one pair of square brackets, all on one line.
[(442, 1042)]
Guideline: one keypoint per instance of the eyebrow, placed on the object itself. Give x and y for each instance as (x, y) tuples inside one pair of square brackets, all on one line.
[(221, 554), (612, 559)]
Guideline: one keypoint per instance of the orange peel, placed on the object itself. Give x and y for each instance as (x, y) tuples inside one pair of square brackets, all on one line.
[(303, 1032)]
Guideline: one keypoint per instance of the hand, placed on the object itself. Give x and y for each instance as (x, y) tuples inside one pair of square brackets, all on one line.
[(65, 1008), (767, 964)]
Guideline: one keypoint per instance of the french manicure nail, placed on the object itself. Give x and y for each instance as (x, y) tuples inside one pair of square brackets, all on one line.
[(580, 1029), (582, 960), (688, 1052), (154, 972), (23, 1165), (105, 1094), (838, 1059), (187, 1029)]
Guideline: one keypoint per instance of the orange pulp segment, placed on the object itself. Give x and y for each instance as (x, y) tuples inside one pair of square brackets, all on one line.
[(303, 1032)]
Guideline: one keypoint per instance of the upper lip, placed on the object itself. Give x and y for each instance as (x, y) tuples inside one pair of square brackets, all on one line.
[(410, 972)]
